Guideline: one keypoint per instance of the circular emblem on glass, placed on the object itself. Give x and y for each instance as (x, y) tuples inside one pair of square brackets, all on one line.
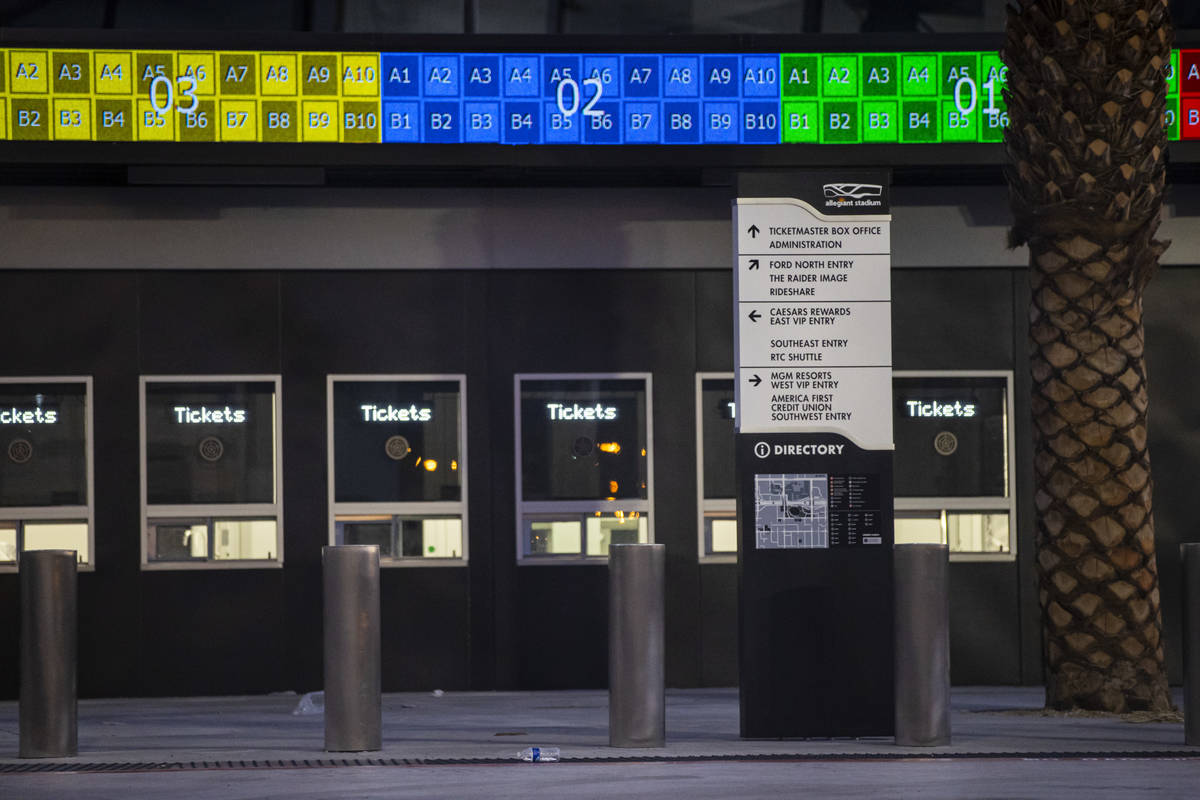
[(582, 447), (20, 451), (397, 448), (762, 449), (211, 448), (945, 443)]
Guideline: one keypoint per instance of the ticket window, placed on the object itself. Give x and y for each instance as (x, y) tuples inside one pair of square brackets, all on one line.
[(583, 465), (211, 476), (954, 481), (397, 466), (715, 481), (46, 468)]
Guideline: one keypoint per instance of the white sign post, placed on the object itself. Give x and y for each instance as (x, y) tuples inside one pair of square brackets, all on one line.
[(813, 333)]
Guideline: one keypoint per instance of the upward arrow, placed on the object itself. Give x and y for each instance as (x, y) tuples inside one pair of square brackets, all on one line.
[(753, 231), (754, 263)]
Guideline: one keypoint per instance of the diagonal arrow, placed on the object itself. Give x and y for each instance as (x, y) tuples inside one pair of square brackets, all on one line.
[(755, 381), (754, 263), (753, 231), (755, 316)]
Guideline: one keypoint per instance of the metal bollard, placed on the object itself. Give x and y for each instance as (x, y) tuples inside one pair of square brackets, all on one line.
[(637, 706), (353, 695), (49, 638), (922, 574), (1189, 554)]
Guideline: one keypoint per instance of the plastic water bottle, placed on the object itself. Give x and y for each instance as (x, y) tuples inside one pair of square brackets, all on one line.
[(539, 754)]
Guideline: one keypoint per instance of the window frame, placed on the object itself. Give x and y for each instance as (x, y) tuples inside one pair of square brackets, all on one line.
[(212, 511), (577, 508), (931, 505), (65, 514), (714, 505), (430, 508)]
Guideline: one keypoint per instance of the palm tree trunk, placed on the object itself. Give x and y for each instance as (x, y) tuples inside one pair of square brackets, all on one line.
[(1086, 94)]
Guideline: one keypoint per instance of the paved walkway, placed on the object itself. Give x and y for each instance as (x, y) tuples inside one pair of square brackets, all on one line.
[(229, 748)]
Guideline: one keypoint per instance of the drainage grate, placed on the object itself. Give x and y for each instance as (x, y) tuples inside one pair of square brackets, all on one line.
[(325, 763)]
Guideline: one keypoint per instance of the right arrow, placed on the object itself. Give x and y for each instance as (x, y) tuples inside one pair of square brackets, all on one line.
[(755, 381), (755, 316), (754, 263), (753, 231)]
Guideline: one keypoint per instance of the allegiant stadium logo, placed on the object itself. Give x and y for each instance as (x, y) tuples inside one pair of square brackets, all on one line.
[(858, 195), (853, 191)]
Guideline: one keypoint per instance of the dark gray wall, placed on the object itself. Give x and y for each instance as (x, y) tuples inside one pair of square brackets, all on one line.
[(492, 624)]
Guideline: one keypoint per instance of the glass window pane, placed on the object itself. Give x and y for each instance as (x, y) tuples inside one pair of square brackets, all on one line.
[(920, 528), (244, 539), (177, 540), (951, 437), (608, 529), (554, 537), (397, 441), (985, 532), (8, 542), (720, 533), (43, 444), (58, 536), (376, 529), (210, 442), (716, 420), (583, 439), (433, 537)]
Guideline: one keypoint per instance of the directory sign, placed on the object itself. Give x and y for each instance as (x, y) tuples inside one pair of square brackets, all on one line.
[(762, 98), (814, 450)]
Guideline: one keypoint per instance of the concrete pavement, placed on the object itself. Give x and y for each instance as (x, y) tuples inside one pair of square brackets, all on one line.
[(465, 744)]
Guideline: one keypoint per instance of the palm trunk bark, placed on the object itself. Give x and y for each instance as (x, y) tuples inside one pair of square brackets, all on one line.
[(1086, 94)]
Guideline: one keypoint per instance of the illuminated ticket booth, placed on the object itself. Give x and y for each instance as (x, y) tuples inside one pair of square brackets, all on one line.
[(715, 479), (397, 466), (955, 448), (211, 481), (45, 467), (583, 464)]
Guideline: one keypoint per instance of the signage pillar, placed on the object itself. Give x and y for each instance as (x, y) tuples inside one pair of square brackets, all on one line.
[(812, 268)]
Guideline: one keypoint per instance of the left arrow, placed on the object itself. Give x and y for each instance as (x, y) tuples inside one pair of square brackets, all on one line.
[(755, 381), (755, 316)]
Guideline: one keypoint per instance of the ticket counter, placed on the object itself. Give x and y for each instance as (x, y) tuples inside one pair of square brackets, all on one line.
[(397, 466), (211, 478), (45, 467), (715, 481), (954, 450), (583, 465)]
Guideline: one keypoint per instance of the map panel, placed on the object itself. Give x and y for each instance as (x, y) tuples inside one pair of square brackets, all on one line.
[(791, 511)]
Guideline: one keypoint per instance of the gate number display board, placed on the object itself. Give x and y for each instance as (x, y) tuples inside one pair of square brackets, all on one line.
[(52, 93)]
